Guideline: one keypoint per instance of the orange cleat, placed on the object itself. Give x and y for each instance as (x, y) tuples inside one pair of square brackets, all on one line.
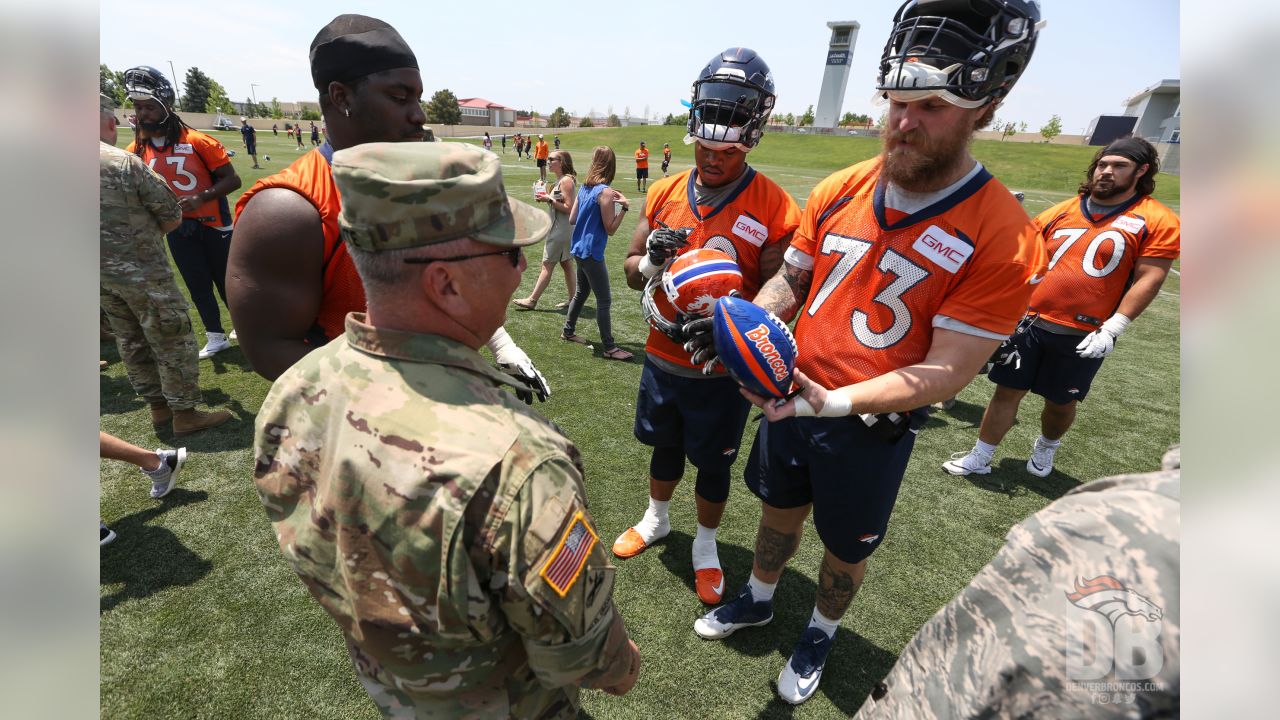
[(629, 544), (710, 584)]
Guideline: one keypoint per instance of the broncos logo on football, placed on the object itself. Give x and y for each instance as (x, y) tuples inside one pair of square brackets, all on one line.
[(770, 354), (1110, 598)]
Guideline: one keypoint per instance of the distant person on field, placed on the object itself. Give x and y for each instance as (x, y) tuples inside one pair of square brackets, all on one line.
[(1004, 645), (439, 521), (642, 167), (666, 158), (540, 152), (315, 134), (200, 173), (1111, 248), (137, 292), (557, 140), (297, 135), (488, 142), (292, 281), (504, 143), (555, 251), (160, 467), (595, 215), (250, 137), (275, 129)]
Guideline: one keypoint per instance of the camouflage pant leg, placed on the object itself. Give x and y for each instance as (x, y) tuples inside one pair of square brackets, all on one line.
[(153, 333)]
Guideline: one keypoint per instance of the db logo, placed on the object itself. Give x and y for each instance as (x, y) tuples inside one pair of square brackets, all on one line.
[(1120, 630)]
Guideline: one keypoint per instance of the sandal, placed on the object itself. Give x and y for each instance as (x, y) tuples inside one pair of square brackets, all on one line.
[(617, 353), (573, 338), (525, 303), (562, 305)]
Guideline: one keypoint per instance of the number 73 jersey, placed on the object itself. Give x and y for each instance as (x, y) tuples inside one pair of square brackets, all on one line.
[(1091, 257), (882, 280)]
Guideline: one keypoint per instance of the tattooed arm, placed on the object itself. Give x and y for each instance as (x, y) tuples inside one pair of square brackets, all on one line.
[(785, 292)]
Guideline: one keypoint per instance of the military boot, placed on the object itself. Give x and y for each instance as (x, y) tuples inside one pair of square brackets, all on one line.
[(186, 422), (161, 415)]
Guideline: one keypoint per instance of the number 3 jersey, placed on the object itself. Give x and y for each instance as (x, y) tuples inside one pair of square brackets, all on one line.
[(883, 280), (1091, 257), (188, 165)]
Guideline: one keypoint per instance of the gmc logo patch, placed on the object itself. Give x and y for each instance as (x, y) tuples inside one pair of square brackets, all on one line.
[(750, 230), (943, 249)]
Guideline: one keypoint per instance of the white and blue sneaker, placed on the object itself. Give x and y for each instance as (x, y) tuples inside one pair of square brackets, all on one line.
[(741, 612), (164, 477), (799, 678), (1040, 463)]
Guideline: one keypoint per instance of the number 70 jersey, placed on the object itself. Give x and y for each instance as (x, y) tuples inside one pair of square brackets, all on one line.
[(882, 280), (1091, 257)]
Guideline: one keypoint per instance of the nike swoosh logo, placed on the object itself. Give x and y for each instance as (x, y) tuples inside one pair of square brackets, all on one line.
[(719, 589), (807, 687)]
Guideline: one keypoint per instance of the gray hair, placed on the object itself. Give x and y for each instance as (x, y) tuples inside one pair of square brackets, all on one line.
[(385, 273)]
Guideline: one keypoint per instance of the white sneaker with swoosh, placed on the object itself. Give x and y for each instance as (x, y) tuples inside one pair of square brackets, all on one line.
[(799, 678)]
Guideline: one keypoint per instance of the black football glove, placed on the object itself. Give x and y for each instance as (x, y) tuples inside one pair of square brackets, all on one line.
[(701, 344), (664, 242)]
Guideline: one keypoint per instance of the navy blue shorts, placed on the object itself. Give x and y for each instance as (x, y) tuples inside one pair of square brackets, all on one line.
[(251, 147), (642, 173), (849, 473), (704, 416), (1050, 367)]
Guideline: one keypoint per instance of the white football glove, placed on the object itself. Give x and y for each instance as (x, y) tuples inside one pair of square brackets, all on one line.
[(516, 362), (1100, 342)]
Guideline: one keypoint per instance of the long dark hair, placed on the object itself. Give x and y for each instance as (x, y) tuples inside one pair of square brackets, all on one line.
[(1145, 185), (173, 127)]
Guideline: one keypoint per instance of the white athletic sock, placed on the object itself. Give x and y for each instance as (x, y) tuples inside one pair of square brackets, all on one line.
[(705, 553), (987, 448), (655, 524), (824, 623), (761, 590), (1049, 443)]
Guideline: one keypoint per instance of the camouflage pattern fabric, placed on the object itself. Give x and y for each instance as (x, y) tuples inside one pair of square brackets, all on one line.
[(137, 291), (1076, 617), (403, 195), (442, 524)]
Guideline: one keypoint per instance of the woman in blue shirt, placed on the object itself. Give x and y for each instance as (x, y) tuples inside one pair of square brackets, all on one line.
[(596, 214)]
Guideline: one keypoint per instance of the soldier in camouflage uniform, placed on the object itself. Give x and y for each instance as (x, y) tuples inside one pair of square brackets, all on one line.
[(1012, 643), (441, 522), (138, 295)]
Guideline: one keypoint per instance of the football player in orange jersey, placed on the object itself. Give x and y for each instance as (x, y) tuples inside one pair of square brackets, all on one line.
[(199, 171), (1111, 249), (907, 271), (723, 204), (291, 280)]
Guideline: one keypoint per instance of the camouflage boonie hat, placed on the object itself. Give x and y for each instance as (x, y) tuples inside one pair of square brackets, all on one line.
[(106, 104), (409, 194)]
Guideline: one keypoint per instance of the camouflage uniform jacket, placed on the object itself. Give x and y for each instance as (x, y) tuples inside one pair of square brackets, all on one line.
[(1072, 588), (441, 523), (134, 201)]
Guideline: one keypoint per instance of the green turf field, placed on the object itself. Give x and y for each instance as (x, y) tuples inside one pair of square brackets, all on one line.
[(201, 617)]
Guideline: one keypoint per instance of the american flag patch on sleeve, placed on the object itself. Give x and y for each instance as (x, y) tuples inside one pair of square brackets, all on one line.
[(570, 555)]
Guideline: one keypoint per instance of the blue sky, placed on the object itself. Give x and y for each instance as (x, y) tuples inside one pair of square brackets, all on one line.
[(639, 55)]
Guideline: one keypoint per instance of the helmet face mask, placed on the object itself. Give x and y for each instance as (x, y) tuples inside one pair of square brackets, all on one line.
[(147, 83), (969, 52), (732, 99)]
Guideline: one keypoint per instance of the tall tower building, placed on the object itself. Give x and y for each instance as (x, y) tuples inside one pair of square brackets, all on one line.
[(836, 76)]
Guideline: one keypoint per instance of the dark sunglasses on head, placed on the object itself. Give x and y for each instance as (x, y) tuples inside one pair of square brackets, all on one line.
[(513, 254)]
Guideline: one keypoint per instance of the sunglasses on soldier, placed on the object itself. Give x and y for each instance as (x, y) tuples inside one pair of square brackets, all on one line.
[(513, 254)]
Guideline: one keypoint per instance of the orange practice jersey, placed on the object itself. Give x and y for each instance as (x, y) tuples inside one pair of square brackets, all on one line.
[(1091, 259), (540, 151), (188, 165), (310, 177), (642, 158), (666, 155), (881, 278), (759, 214)]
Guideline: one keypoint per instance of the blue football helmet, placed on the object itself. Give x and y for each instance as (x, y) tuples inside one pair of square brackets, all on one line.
[(732, 99), (971, 52), (147, 83)]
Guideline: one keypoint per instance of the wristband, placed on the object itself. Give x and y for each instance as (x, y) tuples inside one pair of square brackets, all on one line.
[(836, 405), (647, 268), (1116, 324)]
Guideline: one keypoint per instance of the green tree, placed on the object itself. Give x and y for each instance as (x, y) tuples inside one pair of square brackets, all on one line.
[(195, 91), (883, 120), (276, 112), (558, 118), (309, 114), (807, 118), (218, 100), (250, 110), (1052, 129), (111, 84), (1008, 130), (613, 121), (586, 122), (443, 108), (847, 119), (788, 119), (679, 120)]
